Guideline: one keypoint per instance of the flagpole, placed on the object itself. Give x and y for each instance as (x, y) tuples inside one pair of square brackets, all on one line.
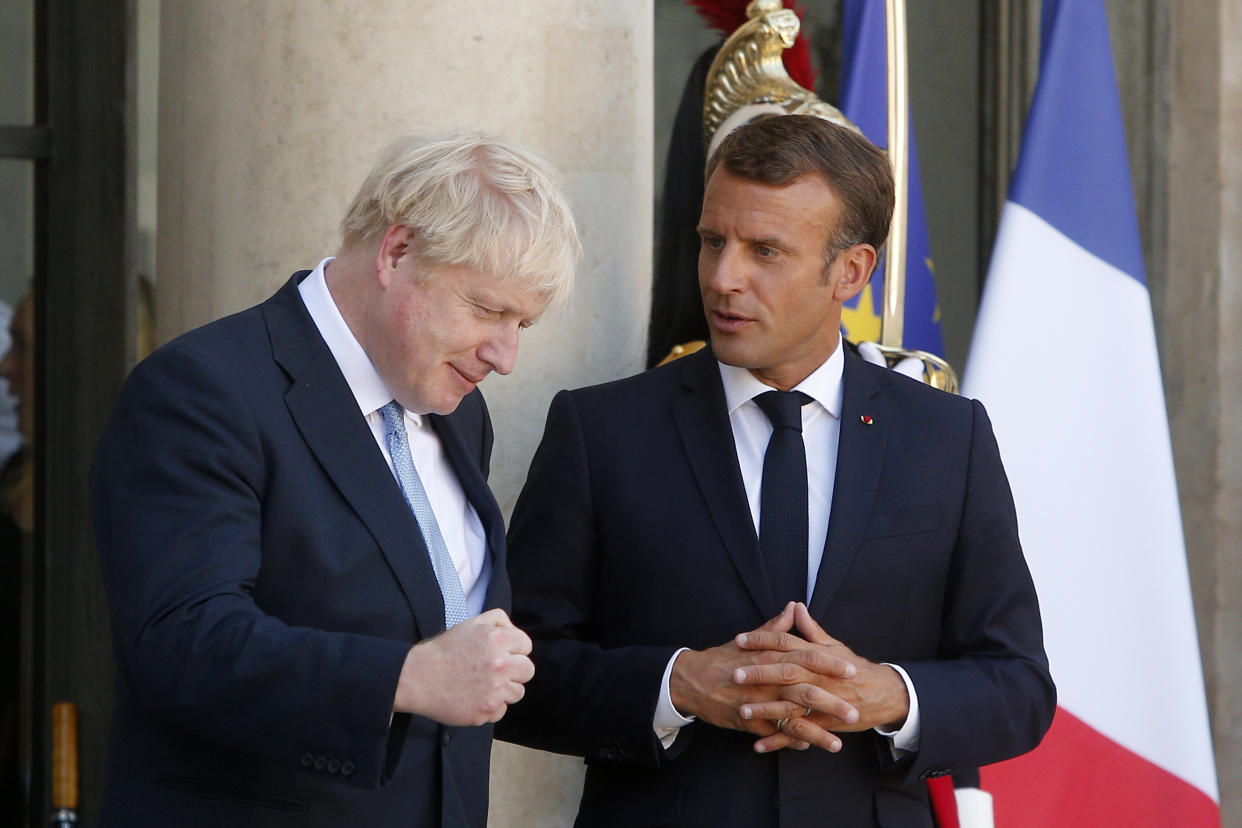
[(893, 313)]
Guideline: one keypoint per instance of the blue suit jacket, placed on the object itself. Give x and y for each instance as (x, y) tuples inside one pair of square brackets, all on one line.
[(633, 537), (265, 580)]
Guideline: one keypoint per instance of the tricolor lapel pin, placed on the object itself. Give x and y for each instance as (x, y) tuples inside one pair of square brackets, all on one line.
[(866, 419)]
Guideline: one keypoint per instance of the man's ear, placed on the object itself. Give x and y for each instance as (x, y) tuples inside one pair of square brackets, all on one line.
[(854, 266), (397, 242)]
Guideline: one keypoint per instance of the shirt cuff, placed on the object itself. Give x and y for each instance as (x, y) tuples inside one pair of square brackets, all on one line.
[(906, 738), (668, 722)]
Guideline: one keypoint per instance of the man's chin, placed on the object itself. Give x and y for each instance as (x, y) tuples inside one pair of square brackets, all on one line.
[(446, 406), (728, 350), (434, 401)]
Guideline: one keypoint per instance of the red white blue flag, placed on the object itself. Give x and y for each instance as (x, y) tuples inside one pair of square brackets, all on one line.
[(1064, 356)]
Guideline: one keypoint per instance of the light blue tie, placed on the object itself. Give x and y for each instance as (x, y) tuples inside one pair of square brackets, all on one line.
[(455, 610)]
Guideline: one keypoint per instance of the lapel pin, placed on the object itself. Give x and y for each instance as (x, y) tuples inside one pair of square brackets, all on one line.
[(866, 419)]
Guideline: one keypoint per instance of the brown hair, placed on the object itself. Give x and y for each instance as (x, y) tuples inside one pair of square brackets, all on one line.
[(778, 150)]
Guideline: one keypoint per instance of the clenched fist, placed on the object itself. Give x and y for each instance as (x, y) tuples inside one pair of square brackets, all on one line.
[(469, 674)]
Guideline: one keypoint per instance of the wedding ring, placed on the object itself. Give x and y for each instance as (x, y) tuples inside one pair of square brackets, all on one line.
[(780, 724), (808, 711)]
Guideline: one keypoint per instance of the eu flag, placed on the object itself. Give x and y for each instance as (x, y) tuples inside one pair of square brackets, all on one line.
[(864, 100)]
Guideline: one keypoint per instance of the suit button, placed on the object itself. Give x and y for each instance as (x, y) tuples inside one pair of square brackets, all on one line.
[(347, 768), (320, 763), (307, 760), (445, 738), (334, 766)]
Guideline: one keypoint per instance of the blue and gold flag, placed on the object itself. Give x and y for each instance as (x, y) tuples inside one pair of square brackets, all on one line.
[(864, 100)]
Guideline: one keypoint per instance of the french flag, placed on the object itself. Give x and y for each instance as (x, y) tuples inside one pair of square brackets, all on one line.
[(1064, 356)]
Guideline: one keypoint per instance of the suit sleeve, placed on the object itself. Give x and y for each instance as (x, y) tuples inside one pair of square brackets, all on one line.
[(585, 699), (176, 489), (988, 696)]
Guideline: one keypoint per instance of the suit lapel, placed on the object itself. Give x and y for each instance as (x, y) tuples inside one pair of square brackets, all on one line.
[(323, 408), (455, 431), (860, 454), (703, 421)]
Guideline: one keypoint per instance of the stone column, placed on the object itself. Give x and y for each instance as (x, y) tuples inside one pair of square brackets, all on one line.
[(1227, 657), (1203, 346), (271, 112)]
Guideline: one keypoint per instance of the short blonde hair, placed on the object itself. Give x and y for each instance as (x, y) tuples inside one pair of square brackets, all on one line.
[(473, 200)]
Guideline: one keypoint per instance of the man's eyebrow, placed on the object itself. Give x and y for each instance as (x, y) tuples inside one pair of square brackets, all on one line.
[(780, 244), (764, 241), (769, 241)]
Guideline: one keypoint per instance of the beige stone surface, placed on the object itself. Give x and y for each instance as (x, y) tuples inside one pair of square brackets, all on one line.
[(1227, 696), (533, 789), (271, 111), (1203, 347)]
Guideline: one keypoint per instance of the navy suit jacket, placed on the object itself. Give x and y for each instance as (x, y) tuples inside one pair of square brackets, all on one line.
[(633, 537), (266, 580)]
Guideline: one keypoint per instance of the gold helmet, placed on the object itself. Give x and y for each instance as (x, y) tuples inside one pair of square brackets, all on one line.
[(748, 78)]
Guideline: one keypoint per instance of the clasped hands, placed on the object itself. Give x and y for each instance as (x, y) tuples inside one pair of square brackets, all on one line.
[(788, 671)]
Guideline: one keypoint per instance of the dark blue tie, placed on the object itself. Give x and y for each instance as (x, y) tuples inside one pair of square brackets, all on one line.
[(783, 497)]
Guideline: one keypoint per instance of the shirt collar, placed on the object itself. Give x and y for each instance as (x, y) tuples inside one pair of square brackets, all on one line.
[(369, 390), (823, 385)]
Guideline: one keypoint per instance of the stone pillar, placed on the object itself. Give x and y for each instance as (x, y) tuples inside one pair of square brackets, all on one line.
[(1226, 657), (271, 112), (1203, 346)]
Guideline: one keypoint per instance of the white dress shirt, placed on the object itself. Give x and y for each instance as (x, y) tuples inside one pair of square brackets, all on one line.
[(459, 523), (821, 431)]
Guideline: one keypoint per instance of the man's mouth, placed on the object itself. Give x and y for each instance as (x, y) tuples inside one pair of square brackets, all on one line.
[(727, 322), (468, 377)]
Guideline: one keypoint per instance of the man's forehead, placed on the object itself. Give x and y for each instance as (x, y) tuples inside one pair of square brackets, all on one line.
[(805, 200), (723, 176)]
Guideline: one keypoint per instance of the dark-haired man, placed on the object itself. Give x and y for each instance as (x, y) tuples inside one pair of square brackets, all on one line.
[(854, 525)]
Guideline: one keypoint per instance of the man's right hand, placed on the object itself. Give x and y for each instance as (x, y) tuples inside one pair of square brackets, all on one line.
[(702, 681), (469, 674)]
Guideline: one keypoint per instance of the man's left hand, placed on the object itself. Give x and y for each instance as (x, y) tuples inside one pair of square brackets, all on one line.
[(811, 702)]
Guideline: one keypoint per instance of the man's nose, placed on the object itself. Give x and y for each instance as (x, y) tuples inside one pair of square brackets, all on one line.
[(500, 352), (724, 272)]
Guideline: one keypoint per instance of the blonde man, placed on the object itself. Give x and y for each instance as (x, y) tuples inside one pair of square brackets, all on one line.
[(291, 507)]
